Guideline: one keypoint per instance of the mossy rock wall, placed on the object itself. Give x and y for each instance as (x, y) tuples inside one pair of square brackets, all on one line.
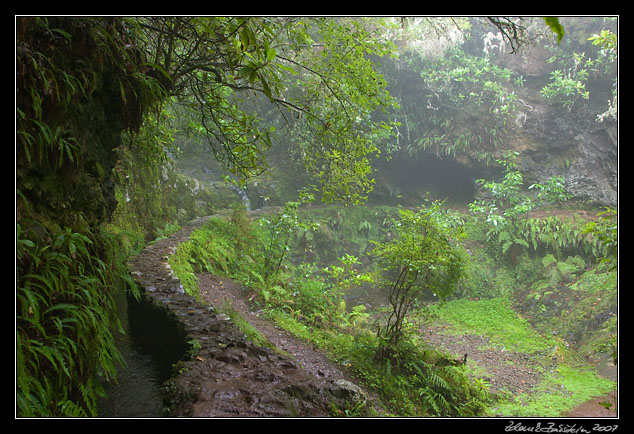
[(79, 85)]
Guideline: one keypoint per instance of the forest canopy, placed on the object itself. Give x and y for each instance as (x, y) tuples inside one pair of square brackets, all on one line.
[(315, 73), (320, 74)]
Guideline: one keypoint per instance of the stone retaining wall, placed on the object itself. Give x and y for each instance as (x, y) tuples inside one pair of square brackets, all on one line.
[(222, 373)]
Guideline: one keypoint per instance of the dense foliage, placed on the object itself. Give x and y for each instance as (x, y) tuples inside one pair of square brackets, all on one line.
[(239, 80), (86, 147), (103, 105), (65, 315), (78, 87), (509, 204), (309, 301), (552, 291), (456, 89)]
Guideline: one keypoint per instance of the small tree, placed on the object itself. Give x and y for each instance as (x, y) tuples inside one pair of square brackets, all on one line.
[(346, 276), (424, 258)]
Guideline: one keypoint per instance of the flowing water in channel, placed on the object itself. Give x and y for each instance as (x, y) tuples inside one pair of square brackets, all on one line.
[(138, 389)]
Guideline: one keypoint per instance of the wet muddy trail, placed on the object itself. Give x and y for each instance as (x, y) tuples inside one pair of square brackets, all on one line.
[(515, 372), (218, 291), (595, 409), (511, 371), (221, 373)]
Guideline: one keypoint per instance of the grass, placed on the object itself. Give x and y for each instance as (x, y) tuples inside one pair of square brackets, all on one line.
[(408, 385), (337, 344), (560, 392), (300, 306), (249, 331), (562, 389), (495, 319)]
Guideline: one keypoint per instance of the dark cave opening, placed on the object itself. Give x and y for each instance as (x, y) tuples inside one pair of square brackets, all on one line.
[(407, 180)]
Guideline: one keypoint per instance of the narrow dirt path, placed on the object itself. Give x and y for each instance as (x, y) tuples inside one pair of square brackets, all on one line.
[(511, 371), (225, 374), (594, 409), (218, 291), (231, 376)]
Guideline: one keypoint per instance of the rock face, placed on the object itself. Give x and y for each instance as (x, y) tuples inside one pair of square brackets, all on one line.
[(580, 143), (595, 171), (221, 373), (552, 142)]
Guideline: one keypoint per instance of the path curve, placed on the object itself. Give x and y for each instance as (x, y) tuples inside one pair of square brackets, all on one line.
[(229, 376), (226, 375), (509, 371)]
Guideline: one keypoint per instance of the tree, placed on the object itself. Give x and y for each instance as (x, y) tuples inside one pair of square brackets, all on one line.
[(424, 258), (85, 84), (277, 233), (514, 31), (317, 73)]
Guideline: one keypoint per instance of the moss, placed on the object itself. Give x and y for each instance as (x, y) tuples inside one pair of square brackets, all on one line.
[(509, 329)]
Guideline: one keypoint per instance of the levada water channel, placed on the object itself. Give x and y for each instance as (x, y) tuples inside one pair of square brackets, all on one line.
[(137, 392), (150, 345)]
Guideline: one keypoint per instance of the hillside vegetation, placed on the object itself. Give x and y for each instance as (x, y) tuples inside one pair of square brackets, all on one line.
[(432, 202)]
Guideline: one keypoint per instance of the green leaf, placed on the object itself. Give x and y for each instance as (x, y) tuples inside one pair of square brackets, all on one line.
[(270, 54), (555, 27), (245, 38), (267, 89), (246, 72)]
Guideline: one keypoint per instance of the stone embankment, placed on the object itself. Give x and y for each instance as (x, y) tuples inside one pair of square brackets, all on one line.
[(218, 371)]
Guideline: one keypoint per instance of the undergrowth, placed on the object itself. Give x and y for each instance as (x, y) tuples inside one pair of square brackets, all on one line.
[(307, 300), (568, 380), (509, 330), (249, 331), (65, 313), (559, 392)]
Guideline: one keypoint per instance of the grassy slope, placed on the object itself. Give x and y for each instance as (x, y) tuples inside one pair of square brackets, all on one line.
[(562, 388)]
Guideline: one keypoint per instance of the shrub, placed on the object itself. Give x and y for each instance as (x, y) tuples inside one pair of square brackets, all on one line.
[(422, 259)]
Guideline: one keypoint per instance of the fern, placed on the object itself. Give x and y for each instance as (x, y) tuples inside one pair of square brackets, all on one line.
[(521, 242), (219, 254), (504, 236), (437, 381), (548, 260), (258, 277), (365, 226), (559, 272), (65, 313), (506, 246), (444, 404)]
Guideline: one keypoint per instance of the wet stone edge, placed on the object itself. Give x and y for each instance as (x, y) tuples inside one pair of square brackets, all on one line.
[(216, 370)]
